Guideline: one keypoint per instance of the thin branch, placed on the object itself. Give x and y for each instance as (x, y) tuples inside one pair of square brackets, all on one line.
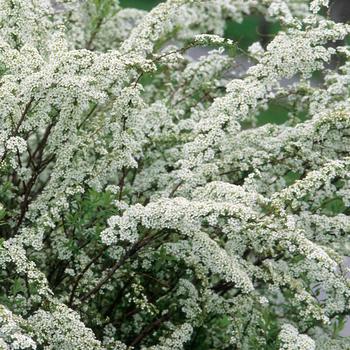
[(15, 132), (82, 273), (149, 329), (129, 254)]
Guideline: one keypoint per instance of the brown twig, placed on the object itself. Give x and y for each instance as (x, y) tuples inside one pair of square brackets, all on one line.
[(129, 254), (149, 328)]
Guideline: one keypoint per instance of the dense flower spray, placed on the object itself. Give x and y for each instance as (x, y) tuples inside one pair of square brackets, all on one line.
[(143, 203)]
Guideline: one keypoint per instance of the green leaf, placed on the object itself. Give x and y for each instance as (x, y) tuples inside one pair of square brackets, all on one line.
[(18, 286)]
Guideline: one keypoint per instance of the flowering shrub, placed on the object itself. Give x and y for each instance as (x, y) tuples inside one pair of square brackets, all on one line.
[(143, 203)]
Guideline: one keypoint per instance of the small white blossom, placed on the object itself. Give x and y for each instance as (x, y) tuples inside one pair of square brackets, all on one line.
[(291, 339)]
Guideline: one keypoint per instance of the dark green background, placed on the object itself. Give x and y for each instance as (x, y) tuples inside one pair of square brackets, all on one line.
[(245, 33), (140, 4)]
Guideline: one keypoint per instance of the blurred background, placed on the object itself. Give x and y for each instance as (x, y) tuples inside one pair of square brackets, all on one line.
[(255, 28), (252, 29)]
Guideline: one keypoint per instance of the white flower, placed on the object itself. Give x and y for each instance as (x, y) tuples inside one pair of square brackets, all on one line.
[(16, 143)]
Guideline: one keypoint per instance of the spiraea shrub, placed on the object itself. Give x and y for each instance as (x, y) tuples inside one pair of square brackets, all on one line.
[(144, 202)]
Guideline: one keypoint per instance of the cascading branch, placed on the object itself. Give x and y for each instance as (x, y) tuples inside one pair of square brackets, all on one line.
[(143, 203)]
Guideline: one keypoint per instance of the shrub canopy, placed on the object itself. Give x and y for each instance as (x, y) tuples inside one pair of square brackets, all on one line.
[(143, 202)]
